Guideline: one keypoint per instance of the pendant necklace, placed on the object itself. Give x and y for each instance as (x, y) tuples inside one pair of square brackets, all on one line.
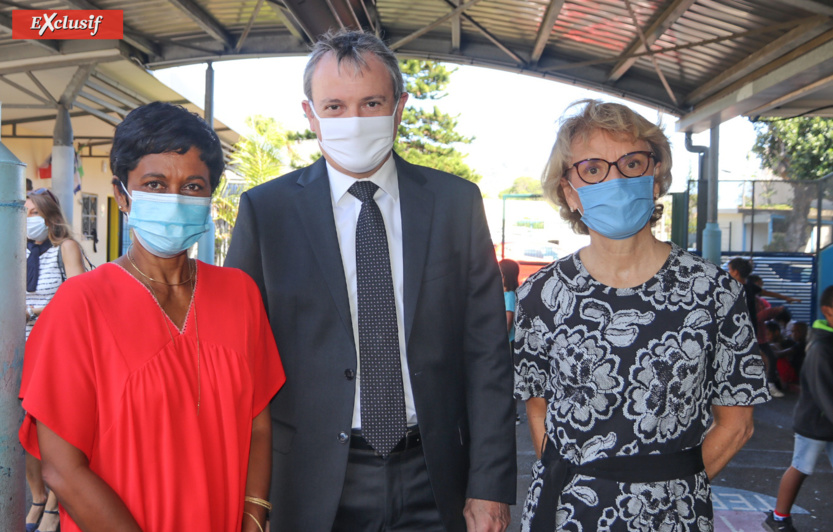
[(192, 268)]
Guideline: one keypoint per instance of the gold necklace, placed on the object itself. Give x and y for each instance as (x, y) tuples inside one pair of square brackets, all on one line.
[(151, 279), (193, 304)]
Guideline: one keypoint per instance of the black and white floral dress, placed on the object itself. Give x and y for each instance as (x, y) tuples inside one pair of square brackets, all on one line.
[(633, 371)]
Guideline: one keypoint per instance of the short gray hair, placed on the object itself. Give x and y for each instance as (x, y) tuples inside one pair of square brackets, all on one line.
[(350, 47)]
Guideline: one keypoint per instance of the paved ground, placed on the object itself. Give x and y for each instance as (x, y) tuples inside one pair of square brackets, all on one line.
[(748, 486)]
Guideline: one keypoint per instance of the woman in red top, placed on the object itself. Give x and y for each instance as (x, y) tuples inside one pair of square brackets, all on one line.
[(146, 382)]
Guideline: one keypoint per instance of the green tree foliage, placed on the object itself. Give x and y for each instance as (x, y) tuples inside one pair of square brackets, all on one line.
[(524, 185), (796, 149), (264, 154), (427, 136)]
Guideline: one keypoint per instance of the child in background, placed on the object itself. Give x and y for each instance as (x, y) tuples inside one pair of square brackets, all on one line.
[(813, 423)]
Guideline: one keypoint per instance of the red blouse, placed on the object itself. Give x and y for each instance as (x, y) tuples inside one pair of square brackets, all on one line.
[(102, 372)]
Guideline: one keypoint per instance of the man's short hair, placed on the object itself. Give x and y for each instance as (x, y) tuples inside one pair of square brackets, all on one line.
[(350, 48), (742, 266), (160, 127), (827, 297)]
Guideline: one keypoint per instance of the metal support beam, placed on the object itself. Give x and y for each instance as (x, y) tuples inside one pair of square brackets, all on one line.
[(26, 91), (289, 21), (545, 29), (794, 95), (422, 31), (101, 115), (12, 326), (75, 84), (114, 94), (316, 18), (50, 45), (654, 31), (131, 36), (763, 56), (712, 233), (205, 21), (63, 161), (104, 103), (647, 47), (119, 87), (805, 65), (456, 29), (209, 94), (43, 89), (205, 245), (248, 27), (15, 66), (671, 49), (813, 6), (494, 40)]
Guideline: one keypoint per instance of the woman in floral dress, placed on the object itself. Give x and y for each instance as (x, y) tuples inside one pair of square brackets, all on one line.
[(637, 360)]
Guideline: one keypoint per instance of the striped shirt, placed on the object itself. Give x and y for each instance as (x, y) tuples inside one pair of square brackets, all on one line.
[(49, 279)]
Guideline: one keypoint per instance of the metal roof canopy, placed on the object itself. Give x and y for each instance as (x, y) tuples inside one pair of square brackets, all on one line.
[(704, 61)]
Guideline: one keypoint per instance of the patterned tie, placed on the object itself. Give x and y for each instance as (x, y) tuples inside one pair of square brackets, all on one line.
[(382, 395)]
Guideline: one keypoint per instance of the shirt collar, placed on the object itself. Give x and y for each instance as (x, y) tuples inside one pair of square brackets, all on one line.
[(385, 178)]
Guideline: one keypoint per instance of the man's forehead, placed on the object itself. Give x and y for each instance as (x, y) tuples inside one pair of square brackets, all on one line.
[(348, 66), (331, 75)]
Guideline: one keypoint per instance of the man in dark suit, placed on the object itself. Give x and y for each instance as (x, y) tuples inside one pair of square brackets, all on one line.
[(385, 299)]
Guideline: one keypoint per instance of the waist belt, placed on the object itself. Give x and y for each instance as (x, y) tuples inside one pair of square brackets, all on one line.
[(635, 468), (410, 440)]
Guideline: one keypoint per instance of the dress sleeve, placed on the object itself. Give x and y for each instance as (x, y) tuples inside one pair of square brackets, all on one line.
[(738, 370), (530, 353), (265, 364), (59, 384)]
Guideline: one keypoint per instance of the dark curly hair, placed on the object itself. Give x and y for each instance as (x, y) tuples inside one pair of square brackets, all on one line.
[(161, 127)]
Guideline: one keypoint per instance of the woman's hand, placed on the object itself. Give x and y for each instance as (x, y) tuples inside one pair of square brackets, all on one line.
[(260, 472), (90, 501)]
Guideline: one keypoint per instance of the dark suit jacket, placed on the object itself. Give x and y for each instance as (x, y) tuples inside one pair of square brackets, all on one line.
[(455, 331)]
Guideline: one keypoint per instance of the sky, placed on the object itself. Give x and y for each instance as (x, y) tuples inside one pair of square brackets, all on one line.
[(513, 117)]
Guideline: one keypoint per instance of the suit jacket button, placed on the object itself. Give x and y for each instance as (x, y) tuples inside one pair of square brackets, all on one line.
[(343, 437), (350, 374)]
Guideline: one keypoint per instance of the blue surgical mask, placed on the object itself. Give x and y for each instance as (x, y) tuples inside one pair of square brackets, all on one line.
[(168, 224), (618, 208)]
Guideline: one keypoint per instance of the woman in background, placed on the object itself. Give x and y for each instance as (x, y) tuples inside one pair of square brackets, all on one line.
[(509, 271), (47, 232)]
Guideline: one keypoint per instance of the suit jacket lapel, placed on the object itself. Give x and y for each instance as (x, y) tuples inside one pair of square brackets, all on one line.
[(314, 209), (417, 208)]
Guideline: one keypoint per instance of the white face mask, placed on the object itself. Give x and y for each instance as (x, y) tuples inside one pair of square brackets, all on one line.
[(357, 143), (36, 228)]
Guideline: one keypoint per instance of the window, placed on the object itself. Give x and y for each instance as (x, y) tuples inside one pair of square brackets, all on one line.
[(89, 217)]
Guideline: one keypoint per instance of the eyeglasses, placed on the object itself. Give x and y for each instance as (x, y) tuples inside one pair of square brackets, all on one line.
[(633, 164), (44, 190)]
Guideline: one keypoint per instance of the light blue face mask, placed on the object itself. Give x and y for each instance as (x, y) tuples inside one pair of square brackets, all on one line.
[(168, 224), (618, 208)]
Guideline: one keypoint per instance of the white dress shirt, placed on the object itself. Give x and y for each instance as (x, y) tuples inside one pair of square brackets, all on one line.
[(346, 209)]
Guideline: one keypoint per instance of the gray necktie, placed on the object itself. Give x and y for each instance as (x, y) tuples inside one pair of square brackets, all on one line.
[(382, 395)]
